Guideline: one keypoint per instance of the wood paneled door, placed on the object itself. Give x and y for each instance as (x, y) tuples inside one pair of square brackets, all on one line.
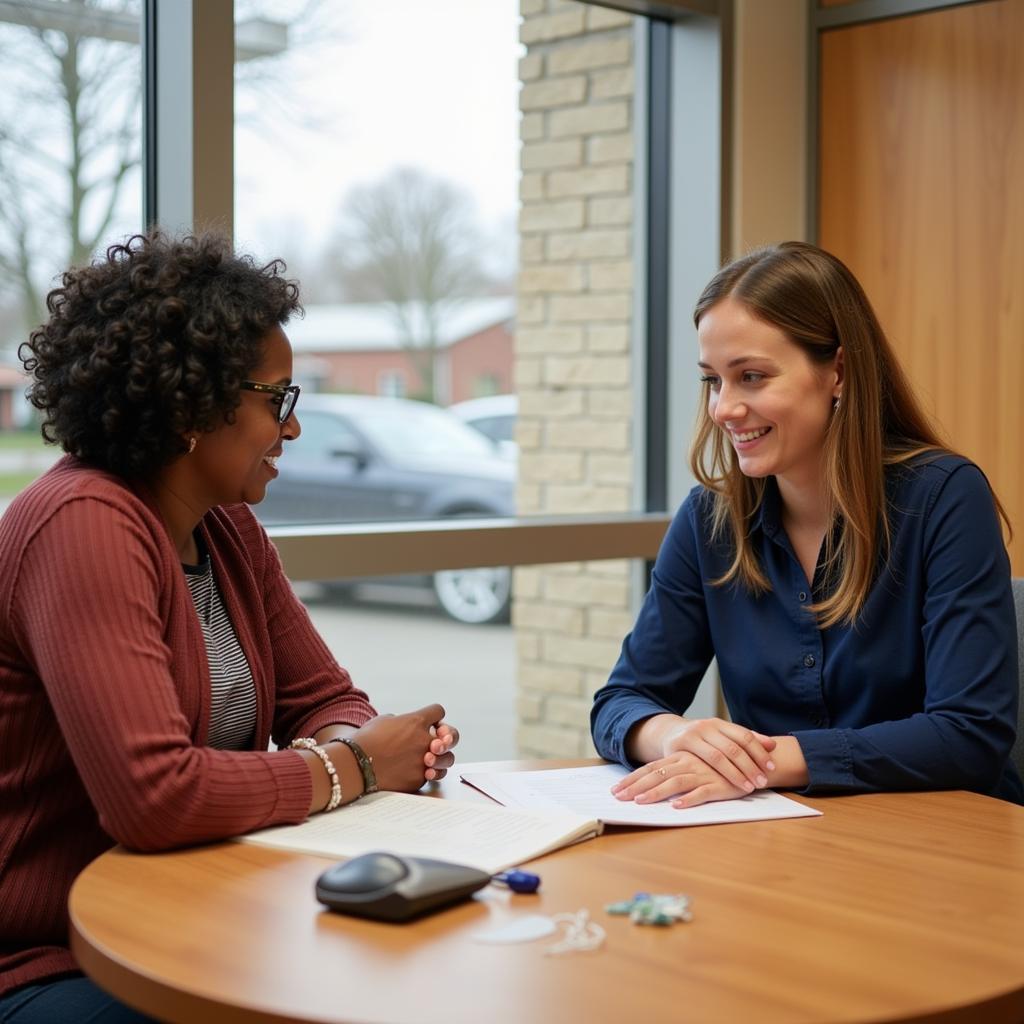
[(921, 192)]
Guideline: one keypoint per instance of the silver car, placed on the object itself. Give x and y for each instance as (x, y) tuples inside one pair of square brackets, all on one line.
[(368, 459), (495, 417)]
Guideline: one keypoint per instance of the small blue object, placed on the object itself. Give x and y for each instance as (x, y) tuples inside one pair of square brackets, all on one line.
[(519, 881)]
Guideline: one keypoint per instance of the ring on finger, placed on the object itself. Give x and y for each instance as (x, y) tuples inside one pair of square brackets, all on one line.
[(662, 772)]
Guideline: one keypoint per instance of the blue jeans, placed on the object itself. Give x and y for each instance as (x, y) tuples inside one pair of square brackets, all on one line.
[(72, 1000)]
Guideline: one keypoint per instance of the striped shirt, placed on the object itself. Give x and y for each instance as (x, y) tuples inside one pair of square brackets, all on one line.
[(232, 691)]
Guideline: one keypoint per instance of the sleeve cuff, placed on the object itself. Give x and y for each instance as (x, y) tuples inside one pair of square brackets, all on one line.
[(614, 746), (829, 761), (294, 788)]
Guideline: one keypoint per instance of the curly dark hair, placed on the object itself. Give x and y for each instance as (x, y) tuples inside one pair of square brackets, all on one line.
[(150, 344)]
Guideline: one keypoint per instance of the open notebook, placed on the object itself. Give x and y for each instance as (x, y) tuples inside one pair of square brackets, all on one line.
[(585, 791), (484, 836)]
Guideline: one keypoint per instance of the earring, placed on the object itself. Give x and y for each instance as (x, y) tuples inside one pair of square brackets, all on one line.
[(191, 444), (835, 403)]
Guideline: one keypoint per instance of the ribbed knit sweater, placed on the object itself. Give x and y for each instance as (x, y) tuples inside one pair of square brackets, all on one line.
[(105, 696)]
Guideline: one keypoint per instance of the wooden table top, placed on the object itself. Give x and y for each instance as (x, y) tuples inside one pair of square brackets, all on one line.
[(889, 907)]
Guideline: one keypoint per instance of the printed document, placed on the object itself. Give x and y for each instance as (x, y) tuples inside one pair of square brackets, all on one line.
[(585, 791), (478, 834)]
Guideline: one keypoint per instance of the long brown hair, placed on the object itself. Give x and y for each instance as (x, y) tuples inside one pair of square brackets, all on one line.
[(814, 298)]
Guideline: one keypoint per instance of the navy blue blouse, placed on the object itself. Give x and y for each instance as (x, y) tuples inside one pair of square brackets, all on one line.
[(920, 694)]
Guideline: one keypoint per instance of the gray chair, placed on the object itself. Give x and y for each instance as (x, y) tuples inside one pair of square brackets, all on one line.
[(1017, 756)]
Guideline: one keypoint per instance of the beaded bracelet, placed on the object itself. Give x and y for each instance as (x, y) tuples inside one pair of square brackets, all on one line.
[(306, 743)]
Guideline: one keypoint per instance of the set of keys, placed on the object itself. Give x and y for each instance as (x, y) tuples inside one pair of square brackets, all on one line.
[(655, 909)]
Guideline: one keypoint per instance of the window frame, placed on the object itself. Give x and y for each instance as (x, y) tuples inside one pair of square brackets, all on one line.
[(188, 174)]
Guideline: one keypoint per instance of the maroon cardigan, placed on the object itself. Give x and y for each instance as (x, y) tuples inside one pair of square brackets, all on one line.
[(105, 696)]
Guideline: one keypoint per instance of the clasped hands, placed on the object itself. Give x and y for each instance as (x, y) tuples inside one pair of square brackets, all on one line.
[(702, 760), (409, 749)]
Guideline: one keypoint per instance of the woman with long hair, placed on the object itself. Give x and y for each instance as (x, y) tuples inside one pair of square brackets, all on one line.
[(845, 568)]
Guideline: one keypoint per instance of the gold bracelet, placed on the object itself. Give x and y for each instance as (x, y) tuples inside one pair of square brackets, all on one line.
[(307, 743)]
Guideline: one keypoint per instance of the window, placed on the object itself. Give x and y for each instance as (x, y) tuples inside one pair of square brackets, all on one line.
[(395, 208), (546, 250), (577, 316), (70, 184), (391, 384), (497, 428), (324, 436), (486, 384)]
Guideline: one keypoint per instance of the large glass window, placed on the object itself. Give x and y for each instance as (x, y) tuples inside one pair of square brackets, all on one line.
[(375, 151), (406, 653), (456, 186), (70, 184)]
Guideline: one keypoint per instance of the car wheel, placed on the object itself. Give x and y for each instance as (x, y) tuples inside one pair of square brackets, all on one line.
[(475, 596)]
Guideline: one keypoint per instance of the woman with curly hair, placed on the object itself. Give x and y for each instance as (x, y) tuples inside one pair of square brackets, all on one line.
[(847, 571), (150, 644)]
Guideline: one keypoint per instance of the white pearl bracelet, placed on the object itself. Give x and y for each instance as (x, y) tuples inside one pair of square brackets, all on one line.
[(307, 743)]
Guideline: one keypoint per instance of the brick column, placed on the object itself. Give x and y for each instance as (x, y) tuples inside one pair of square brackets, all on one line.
[(572, 357)]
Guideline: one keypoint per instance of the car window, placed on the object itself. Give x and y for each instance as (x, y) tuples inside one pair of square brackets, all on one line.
[(322, 434), (497, 428), (413, 430)]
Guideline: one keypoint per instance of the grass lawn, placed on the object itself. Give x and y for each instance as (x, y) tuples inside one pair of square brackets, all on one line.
[(11, 483), (21, 440), (23, 457)]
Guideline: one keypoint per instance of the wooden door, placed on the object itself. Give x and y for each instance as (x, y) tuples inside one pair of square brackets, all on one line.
[(921, 192)]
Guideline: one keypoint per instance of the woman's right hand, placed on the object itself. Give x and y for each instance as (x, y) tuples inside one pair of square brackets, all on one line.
[(741, 756), (681, 777), (398, 745)]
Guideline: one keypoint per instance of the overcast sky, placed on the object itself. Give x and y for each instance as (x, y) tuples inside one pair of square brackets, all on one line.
[(364, 86), (391, 82)]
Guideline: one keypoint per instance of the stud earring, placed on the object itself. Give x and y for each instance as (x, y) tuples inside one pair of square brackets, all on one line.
[(191, 444)]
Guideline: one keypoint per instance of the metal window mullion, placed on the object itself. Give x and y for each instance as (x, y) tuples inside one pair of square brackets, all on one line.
[(149, 119), (658, 180), (188, 57)]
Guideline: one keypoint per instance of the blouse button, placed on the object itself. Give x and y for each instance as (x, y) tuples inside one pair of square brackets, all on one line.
[(809, 660), (802, 596)]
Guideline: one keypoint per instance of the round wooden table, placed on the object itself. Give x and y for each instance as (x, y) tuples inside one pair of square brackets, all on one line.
[(895, 907)]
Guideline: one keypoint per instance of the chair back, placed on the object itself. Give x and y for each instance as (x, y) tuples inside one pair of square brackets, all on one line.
[(1018, 602)]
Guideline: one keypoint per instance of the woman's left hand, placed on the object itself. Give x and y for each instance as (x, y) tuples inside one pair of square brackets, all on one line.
[(682, 775), (439, 758)]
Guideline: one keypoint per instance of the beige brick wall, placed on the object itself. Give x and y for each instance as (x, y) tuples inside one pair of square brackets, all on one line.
[(573, 363)]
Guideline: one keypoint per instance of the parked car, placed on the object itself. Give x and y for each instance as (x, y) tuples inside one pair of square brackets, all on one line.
[(362, 458), (495, 417)]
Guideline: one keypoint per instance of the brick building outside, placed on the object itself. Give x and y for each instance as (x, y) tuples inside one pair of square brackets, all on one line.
[(358, 348), (14, 410)]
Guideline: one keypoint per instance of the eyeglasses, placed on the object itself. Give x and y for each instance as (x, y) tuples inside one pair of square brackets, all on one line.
[(288, 395)]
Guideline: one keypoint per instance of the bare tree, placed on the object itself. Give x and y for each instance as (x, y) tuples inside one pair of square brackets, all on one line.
[(410, 240), (69, 142), (71, 126), (281, 91)]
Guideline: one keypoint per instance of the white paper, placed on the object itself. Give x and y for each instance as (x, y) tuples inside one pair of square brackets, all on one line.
[(586, 791), (479, 835)]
